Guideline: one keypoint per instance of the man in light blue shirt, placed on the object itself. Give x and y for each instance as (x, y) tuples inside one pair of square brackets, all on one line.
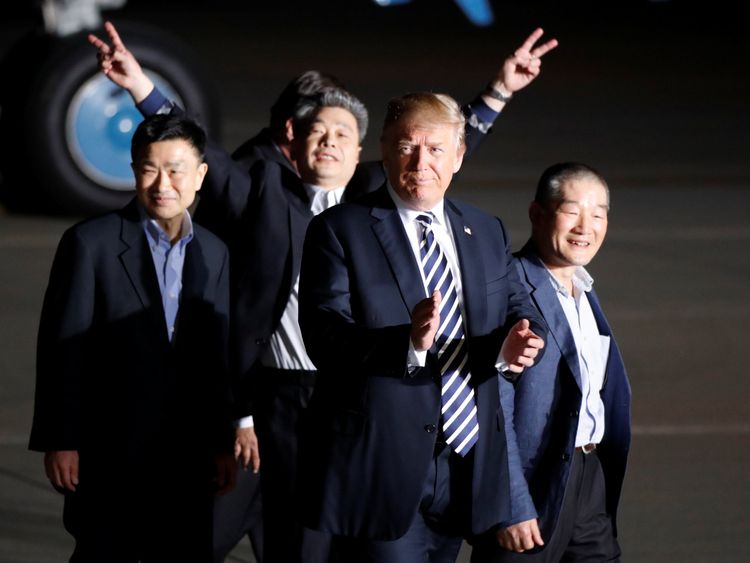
[(571, 411)]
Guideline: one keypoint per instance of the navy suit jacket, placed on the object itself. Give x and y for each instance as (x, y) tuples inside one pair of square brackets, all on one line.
[(543, 409), (110, 384), (371, 428)]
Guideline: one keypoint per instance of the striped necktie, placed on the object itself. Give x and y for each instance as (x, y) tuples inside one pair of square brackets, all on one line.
[(459, 408)]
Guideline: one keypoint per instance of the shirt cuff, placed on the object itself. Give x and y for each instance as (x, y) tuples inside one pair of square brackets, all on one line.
[(415, 359), (244, 422), (154, 103), (483, 112)]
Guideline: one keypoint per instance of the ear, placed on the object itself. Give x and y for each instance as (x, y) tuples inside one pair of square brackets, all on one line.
[(289, 130), (201, 173), (459, 158)]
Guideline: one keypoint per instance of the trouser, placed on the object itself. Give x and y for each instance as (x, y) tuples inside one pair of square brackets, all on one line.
[(584, 529), (436, 533), (281, 398)]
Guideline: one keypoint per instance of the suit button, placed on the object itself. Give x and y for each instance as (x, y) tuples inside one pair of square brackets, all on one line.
[(573, 414), (566, 457), (430, 428)]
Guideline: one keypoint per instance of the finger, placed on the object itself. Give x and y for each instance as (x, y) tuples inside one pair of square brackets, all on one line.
[(536, 534), (531, 39), (544, 48), (99, 44), (237, 450), (114, 36), (256, 462), (436, 297), (535, 342), (522, 325)]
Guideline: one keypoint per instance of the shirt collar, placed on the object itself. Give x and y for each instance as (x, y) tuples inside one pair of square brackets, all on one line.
[(314, 192), (157, 234), (582, 280)]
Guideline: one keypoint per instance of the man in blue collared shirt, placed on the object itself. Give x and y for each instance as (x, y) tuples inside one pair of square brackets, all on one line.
[(132, 394), (570, 411)]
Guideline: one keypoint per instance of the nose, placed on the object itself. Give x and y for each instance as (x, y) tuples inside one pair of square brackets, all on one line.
[(419, 158), (328, 139), (584, 222), (162, 180)]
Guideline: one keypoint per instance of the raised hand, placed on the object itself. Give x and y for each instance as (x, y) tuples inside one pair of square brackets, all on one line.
[(119, 64)]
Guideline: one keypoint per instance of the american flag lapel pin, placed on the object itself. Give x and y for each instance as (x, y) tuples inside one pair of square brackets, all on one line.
[(467, 230)]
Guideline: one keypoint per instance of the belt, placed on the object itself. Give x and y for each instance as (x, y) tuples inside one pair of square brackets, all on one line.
[(587, 449)]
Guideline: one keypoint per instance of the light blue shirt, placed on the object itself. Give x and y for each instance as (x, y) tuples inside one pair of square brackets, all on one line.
[(169, 260)]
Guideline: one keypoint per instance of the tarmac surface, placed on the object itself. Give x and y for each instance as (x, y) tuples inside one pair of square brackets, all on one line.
[(654, 96)]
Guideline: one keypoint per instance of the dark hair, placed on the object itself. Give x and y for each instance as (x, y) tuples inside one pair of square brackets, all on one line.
[(549, 187), (309, 83), (309, 106), (165, 127)]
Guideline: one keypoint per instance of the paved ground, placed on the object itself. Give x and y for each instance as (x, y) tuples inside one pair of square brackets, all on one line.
[(652, 97)]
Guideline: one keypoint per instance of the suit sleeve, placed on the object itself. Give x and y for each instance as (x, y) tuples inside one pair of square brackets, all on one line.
[(335, 339), (520, 305), (521, 502), (63, 342)]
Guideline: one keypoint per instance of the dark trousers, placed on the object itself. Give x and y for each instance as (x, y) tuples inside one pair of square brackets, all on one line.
[(436, 533), (584, 529), (125, 525), (238, 514), (281, 398)]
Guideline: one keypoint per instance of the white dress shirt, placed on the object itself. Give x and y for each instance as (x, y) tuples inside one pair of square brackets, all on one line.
[(593, 352)]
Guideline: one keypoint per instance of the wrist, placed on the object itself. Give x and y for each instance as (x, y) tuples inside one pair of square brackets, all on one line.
[(498, 91)]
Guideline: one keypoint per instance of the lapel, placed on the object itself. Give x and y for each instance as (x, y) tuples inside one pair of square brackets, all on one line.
[(194, 282), (139, 266), (299, 216), (389, 230), (545, 299), (473, 282)]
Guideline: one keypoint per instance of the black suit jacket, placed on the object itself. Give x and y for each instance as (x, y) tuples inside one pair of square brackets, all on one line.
[(371, 426), (110, 384)]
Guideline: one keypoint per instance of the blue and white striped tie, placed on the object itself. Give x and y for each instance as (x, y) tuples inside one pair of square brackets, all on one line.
[(459, 408)]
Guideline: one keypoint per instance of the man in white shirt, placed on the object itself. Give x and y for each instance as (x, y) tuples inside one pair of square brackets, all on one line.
[(571, 411)]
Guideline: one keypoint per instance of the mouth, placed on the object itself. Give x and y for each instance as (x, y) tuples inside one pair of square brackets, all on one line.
[(326, 157), (579, 243)]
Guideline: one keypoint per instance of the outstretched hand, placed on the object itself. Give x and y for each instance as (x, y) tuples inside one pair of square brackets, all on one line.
[(521, 347), (119, 64)]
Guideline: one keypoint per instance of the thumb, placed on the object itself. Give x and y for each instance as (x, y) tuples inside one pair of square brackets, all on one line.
[(523, 325)]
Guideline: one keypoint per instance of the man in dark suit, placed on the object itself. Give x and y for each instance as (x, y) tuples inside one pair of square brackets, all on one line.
[(571, 411), (407, 297), (132, 389), (262, 214)]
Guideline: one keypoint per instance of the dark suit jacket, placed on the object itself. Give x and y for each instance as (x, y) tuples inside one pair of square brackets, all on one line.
[(110, 384), (372, 426), (543, 408), (262, 214)]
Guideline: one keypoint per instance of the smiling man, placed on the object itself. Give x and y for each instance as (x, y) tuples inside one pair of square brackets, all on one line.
[(571, 411), (132, 384), (410, 309)]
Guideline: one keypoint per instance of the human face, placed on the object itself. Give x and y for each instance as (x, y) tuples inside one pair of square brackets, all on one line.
[(167, 175), (329, 153), (420, 160), (570, 233)]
